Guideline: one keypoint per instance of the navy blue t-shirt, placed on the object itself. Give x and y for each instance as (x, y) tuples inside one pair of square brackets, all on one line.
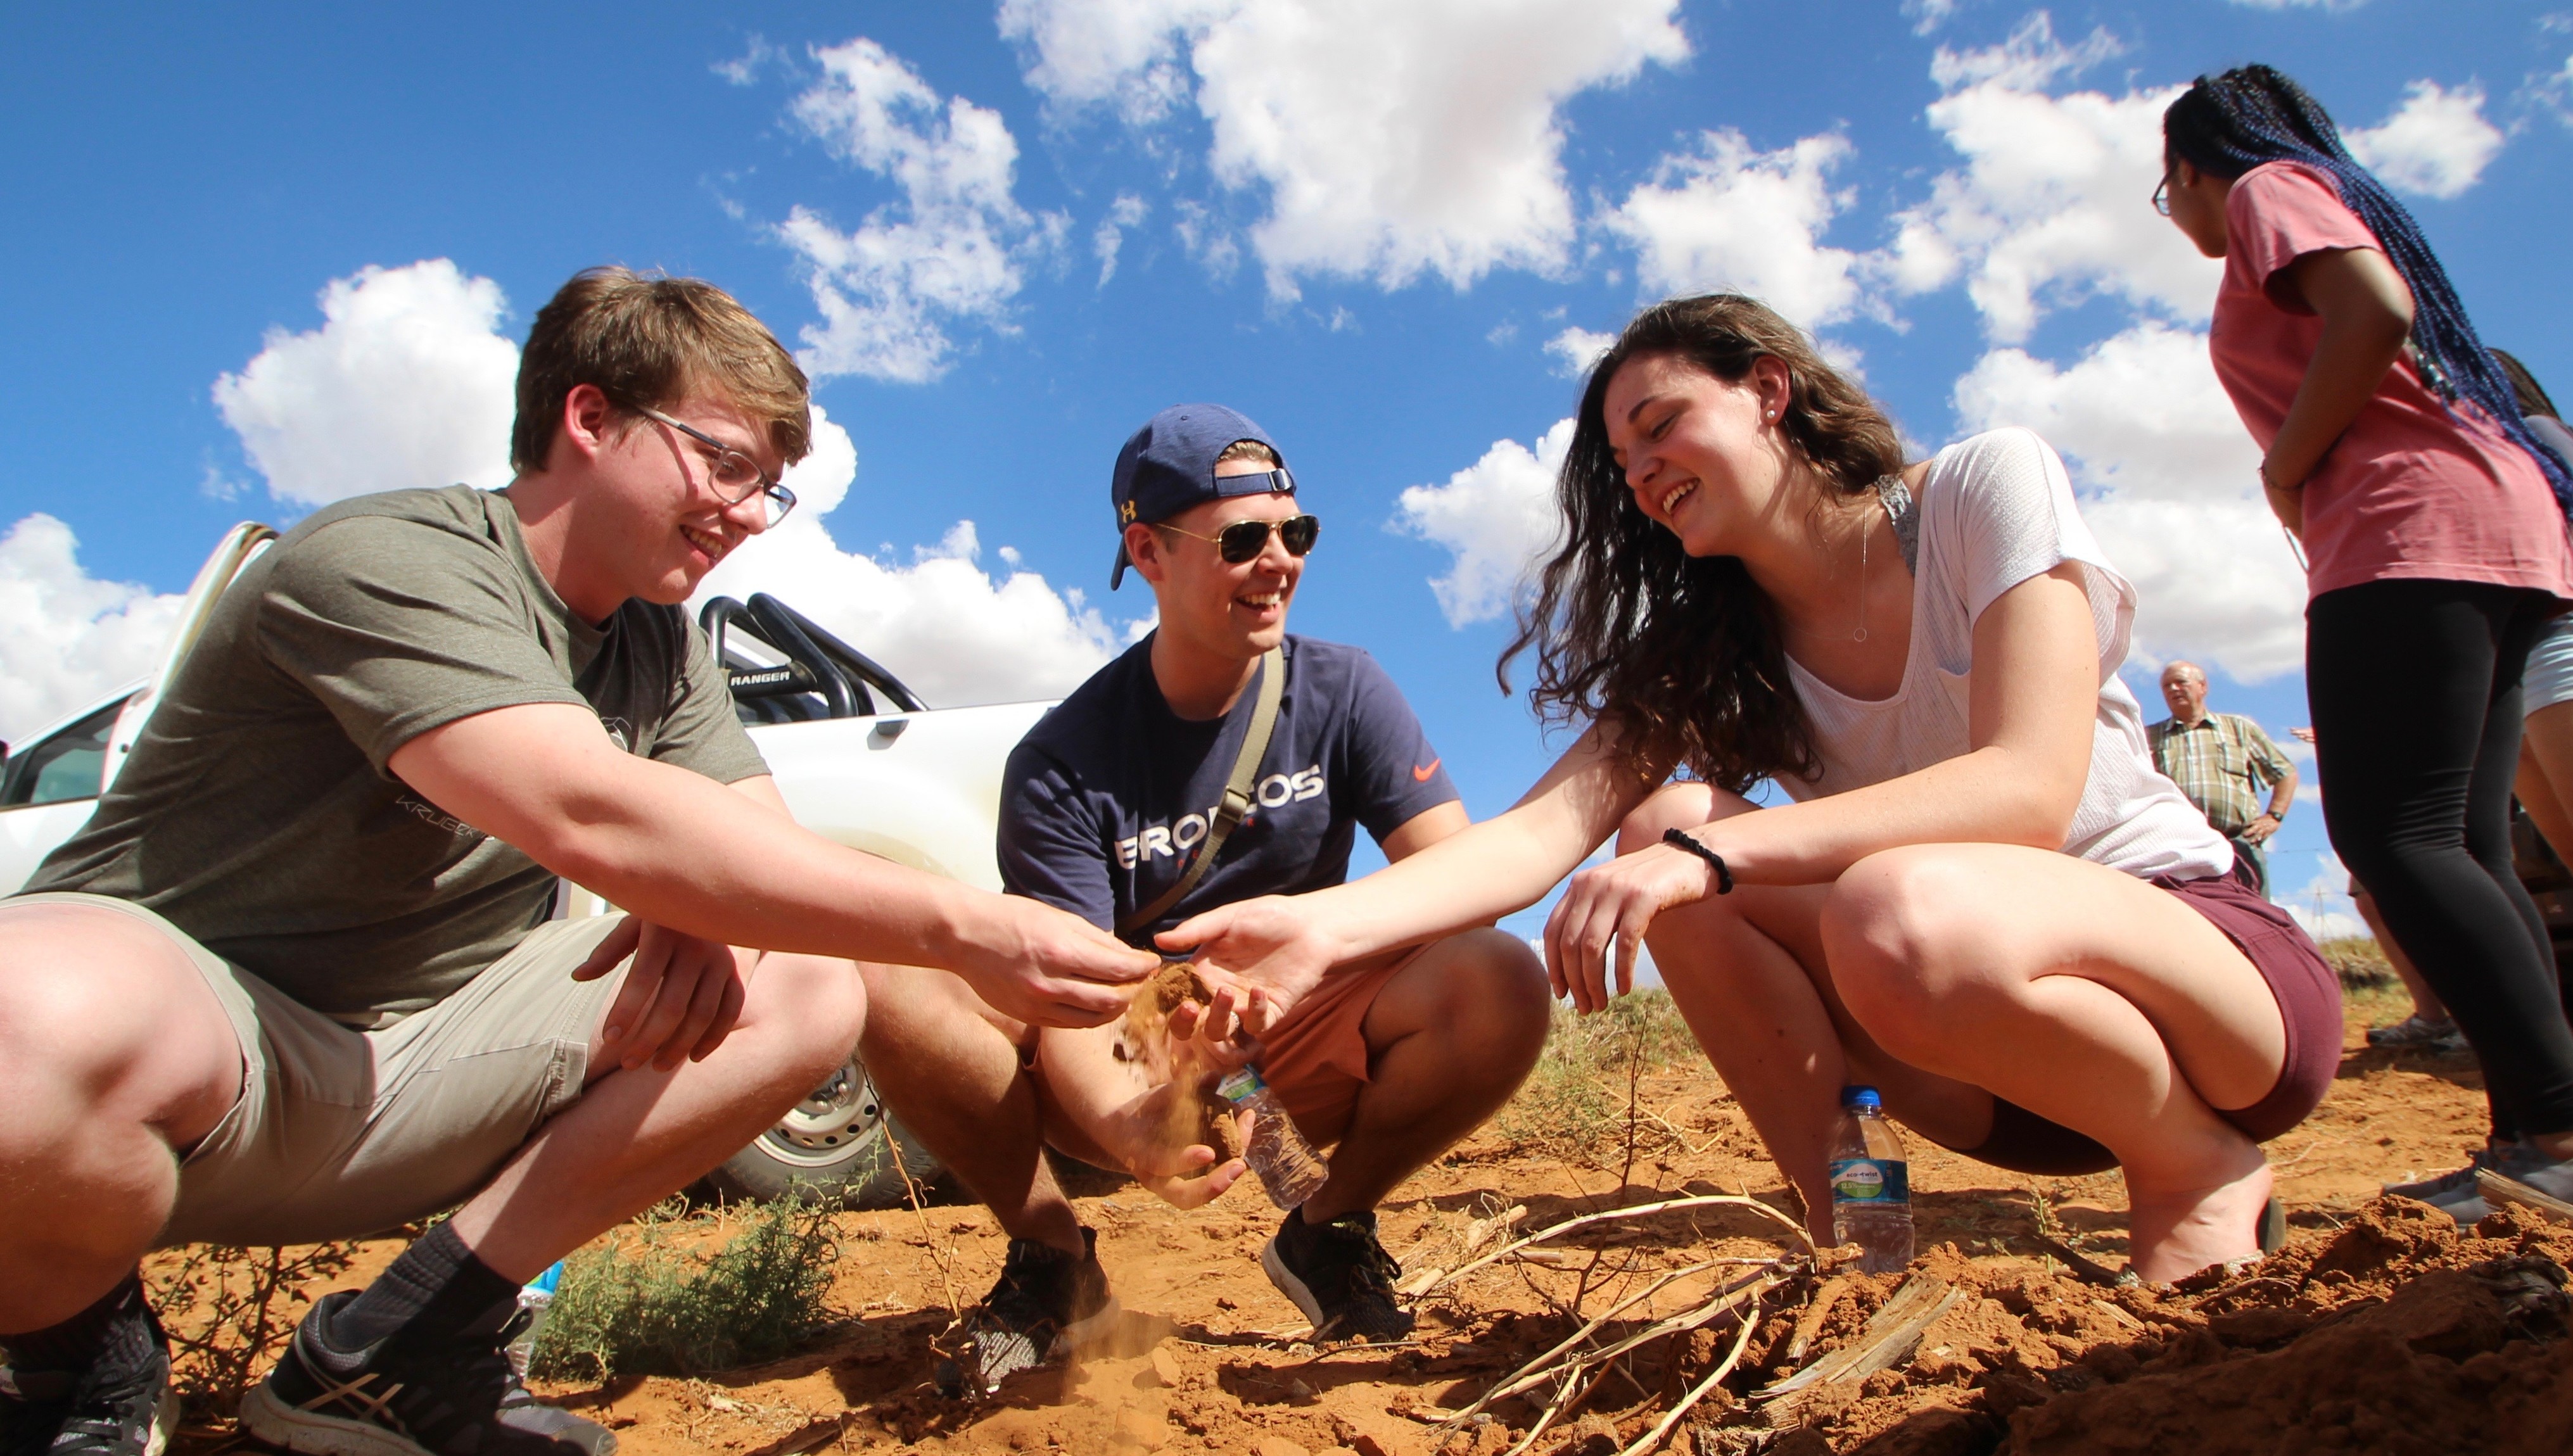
[(1109, 794)]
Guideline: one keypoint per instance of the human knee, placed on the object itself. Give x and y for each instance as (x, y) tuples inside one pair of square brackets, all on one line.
[(1494, 997), (1903, 937), (819, 1005), (88, 1014)]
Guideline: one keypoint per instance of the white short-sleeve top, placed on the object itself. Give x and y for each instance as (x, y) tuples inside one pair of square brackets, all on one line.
[(1995, 510)]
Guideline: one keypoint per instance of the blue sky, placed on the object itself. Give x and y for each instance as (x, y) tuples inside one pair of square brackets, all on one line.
[(1371, 225)]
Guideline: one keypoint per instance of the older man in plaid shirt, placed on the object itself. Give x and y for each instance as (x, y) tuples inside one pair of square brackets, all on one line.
[(2220, 761)]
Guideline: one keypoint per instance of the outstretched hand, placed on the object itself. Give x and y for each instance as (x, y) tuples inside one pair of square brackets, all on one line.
[(682, 996), (1058, 970), (1259, 957), (1609, 906)]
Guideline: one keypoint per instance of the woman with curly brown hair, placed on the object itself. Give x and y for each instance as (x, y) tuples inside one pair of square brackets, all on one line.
[(1984, 902)]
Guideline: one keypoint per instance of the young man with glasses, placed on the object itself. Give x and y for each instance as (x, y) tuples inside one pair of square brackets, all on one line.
[(1107, 806), (296, 979)]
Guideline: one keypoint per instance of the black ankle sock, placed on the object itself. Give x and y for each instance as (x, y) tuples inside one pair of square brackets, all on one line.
[(434, 1293), (77, 1342)]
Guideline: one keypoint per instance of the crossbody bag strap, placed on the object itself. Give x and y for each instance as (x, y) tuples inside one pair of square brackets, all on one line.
[(1239, 793)]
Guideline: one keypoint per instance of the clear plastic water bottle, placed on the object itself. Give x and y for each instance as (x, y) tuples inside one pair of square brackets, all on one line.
[(1287, 1165), (535, 1298), (1871, 1185)]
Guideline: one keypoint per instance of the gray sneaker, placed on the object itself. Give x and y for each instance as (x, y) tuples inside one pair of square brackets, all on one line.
[(2454, 1194), (2419, 1033), (2525, 1165)]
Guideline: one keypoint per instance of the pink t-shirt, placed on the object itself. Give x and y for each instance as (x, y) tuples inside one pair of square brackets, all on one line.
[(2408, 491)]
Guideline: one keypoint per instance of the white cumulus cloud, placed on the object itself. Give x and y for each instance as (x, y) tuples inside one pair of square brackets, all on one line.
[(68, 639), (1498, 518), (955, 632), (2169, 483), (2051, 206), (2436, 143), (1575, 350), (1728, 218), (1125, 213), (1392, 140), (950, 251), (407, 382)]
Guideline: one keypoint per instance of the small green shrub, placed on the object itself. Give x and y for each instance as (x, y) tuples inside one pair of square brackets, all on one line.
[(649, 1308), (2359, 961), (1573, 1103)]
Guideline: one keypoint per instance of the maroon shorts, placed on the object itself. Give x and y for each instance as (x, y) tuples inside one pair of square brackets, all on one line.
[(2308, 995)]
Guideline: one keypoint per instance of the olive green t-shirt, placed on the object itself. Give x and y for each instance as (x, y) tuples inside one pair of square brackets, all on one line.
[(256, 813)]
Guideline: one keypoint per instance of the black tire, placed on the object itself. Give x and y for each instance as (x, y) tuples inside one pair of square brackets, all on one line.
[(832, 1147)]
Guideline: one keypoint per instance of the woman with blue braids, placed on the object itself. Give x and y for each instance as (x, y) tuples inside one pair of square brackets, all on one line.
[(2434, 530)]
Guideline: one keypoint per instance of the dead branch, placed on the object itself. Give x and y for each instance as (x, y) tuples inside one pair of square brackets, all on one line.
[(1640, 1210), (1697, 1392)]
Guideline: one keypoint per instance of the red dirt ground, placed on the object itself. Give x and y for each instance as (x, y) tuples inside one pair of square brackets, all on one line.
[(2381, 1327)]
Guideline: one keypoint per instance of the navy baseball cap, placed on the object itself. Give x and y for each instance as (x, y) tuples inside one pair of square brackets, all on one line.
[(1169, 465)]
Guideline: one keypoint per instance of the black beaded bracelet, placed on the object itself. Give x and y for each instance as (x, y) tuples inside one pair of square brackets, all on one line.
[(1680, 838)]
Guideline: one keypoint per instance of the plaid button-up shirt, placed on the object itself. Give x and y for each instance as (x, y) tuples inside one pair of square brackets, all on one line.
[(2222, 765)]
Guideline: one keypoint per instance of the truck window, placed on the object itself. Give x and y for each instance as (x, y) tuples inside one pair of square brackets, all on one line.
[(64, 767)]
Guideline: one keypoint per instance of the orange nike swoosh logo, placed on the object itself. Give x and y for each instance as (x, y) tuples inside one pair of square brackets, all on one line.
[(1422, 775)]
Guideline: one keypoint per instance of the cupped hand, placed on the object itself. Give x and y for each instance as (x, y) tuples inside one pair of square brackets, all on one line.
[(1058, 970), (1272, 951), (1607, 909), (682, 996), (1144, 1137)]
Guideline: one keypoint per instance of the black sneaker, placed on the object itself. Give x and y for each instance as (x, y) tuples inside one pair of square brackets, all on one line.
[(1339, 1276), (1047, 1306), (392, 1399), (122, 1405)]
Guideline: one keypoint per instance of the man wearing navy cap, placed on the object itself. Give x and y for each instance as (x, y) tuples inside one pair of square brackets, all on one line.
[(1107, 806)]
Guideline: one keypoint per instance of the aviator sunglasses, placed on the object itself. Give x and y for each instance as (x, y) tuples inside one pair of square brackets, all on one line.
[(1244, 540)]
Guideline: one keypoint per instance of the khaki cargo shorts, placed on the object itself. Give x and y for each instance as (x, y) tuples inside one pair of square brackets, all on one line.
[(340, 1133)]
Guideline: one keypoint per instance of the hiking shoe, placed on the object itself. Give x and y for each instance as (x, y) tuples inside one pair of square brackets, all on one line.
[(398, 1397), (1339, 1276), (2419, 1033), (2454, 1194), (1047, 1304), (122, 1405)]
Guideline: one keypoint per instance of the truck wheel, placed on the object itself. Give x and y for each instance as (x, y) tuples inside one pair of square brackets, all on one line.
[(832, 1147)]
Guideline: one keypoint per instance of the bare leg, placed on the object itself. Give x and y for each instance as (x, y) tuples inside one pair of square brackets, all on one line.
[(2099, 1001), (1777, 1034), (2096, 1000), (2426, 1002), (636, 1136), (949, 1065), (115, 1059), (1449, 1037), (2545, 784)]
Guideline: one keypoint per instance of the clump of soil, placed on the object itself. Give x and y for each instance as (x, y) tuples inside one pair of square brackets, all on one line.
[(1145, 1039), (2399, 1333), (2381, 1327)]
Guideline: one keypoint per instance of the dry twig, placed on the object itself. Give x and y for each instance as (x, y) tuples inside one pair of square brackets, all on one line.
[(1640, 1210)]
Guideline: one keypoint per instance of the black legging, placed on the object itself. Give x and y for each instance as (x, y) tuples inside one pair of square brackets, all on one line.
[(2414, 687)]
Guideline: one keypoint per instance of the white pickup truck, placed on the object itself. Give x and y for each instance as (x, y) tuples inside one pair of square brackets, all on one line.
[(859, 758)]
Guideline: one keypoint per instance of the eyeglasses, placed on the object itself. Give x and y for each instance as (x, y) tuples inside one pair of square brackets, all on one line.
[(1244, 540), (2162, 196), (734, 476)]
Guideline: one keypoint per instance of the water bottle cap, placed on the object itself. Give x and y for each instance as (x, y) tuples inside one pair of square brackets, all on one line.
[(1860, 1097)]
